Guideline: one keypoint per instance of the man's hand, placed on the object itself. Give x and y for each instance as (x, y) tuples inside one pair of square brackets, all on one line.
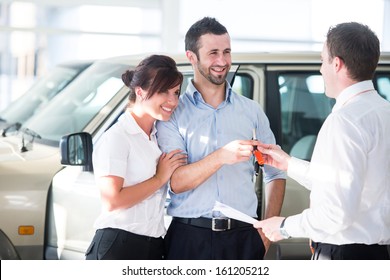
[(270, 227), (266, 241), (236, 151), (274, 155)]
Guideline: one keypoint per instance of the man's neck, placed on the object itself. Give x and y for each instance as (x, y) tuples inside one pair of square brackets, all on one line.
[(212, 94)]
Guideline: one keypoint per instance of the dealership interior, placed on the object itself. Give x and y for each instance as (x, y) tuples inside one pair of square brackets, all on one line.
[(37, 35), (61, 89)]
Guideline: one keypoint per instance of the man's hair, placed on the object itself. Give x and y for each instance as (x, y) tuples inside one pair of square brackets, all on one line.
[(357, 45), (206, 25)]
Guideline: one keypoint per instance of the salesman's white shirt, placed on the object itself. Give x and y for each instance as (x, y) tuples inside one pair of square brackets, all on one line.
[(126, 151), (349, 174)]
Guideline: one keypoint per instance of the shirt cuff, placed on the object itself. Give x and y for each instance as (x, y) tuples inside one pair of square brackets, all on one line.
[(298, 169), (293, 226)]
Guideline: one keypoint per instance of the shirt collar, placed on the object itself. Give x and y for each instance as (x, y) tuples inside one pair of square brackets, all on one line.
[(350, 91), (195, 96), (130, 125)]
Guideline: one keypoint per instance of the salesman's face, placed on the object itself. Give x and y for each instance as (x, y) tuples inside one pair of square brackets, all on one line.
[(327, 72)]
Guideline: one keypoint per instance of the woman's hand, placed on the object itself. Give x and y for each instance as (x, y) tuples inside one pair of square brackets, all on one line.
[(167, 164)]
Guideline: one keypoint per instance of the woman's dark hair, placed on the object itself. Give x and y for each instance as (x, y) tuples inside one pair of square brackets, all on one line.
[(155, 73), (206, 25), (357, 46)]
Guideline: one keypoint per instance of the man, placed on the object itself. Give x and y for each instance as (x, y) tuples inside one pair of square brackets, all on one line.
[(349, 176), (213, 125)]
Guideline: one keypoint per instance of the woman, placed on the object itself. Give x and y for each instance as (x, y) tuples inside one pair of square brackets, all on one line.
[(130, 169)]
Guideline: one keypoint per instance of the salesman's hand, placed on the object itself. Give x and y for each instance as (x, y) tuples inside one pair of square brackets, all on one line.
[(270, 227), (274, 155)]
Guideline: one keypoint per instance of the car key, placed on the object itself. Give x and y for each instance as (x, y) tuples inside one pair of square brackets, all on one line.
[(259, 157)]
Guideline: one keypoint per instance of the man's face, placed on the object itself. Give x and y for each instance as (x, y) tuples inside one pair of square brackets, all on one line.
[(214, 59), (327, 71)]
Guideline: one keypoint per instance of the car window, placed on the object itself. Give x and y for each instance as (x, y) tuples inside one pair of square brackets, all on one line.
[(39, 94), (243, 85), (304, 107), (383, 85), (79, 103)]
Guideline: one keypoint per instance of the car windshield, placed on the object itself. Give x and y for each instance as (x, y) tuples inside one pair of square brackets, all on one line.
[(79, 103), (39, 94)]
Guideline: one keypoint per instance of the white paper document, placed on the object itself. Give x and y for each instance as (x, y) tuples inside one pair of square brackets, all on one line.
[(233, 213)]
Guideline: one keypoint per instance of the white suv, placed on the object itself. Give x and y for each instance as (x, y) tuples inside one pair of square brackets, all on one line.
[(287, 85)]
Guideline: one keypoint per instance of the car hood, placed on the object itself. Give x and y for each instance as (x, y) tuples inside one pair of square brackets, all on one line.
[(10, 150)]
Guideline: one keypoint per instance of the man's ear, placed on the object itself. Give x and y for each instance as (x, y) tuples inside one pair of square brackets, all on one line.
[(191, 56), (338, 63)]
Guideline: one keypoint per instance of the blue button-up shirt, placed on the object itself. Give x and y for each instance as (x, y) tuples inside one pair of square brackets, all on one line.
[(199, 129)]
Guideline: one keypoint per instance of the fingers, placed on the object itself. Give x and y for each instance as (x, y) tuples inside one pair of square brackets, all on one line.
[(258, 224), (169, 162), (268, 148), (264, 229), (175, 152), (176, 158), (179, 159), (270, 228)]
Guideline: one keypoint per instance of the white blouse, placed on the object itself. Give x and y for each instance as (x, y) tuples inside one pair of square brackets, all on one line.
[(126, 151)]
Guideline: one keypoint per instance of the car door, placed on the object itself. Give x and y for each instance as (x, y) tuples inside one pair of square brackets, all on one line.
[(297, 107)]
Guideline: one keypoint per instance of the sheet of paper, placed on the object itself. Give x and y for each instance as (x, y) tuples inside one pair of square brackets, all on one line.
[(233, 213)]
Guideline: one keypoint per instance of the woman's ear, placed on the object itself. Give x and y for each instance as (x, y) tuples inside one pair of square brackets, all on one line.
[(139, 92)]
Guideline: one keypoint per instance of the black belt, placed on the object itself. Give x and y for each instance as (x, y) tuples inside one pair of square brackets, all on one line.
[(315, 245), (215, 224)]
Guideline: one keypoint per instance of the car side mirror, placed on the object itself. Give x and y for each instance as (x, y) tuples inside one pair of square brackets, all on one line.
[(76, 150)]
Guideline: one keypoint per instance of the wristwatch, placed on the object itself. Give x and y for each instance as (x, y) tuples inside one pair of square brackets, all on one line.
[(283, 231)]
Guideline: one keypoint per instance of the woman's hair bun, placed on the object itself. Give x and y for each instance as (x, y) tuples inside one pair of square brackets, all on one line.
[(127, 77)]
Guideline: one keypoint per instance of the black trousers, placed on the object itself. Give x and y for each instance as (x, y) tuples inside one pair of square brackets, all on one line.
[(117, 244), (324, 251), (185, 242)]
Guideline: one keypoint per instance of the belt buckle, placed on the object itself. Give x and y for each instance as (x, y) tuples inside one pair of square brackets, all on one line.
[(220, 224)]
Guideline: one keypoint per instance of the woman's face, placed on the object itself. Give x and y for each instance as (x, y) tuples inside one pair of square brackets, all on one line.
[(162, 104)]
